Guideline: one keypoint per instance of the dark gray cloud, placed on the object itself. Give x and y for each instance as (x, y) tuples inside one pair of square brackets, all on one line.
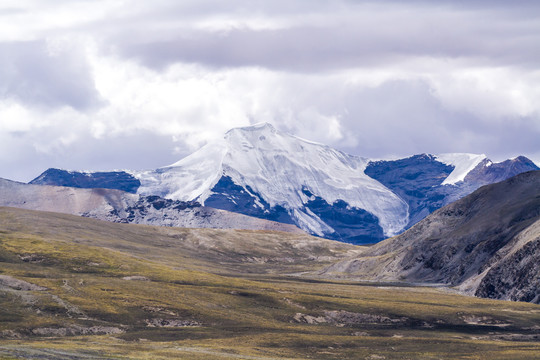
[(309, 49), (495, 35), (31, 74)]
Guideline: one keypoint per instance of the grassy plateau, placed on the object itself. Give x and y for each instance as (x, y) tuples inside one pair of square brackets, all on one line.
[(77, 288)]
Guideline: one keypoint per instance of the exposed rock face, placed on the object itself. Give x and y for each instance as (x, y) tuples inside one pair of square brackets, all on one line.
[(119, 180), (228, 196), (153, 210), (17, 284), (421, 180), (171, 323), (77, 330), (486, 243), (488, 173), (352, 225), (521, 267), (417, 180), (119, 206), (346, 318)]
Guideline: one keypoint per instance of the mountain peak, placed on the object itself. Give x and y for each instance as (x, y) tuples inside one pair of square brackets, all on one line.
[(523, 159), (259, 127), (260, 169), (262, 136)]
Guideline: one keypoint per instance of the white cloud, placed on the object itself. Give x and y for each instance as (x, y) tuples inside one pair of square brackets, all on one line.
[(15, 118), (490, 93)]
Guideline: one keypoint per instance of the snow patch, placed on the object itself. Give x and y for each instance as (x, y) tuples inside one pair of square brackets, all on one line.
[(188, 179), (463, 163)]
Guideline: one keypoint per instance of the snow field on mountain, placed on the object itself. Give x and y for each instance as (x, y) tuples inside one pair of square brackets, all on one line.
[(463, 163), (277, 167)]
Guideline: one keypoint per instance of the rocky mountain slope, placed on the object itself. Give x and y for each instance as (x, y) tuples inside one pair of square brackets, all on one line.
[(262, 172), (486, 244), (119, 180), (118, 206), (428, 182)]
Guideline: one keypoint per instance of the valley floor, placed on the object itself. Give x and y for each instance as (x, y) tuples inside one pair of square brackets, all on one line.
[(297, 320)]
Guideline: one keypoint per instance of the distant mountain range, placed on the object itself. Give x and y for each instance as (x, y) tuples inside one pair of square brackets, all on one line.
[(265, 173), (122, 207), (486, 244)]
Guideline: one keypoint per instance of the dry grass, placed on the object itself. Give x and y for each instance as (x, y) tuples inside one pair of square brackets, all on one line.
[(233, 307)]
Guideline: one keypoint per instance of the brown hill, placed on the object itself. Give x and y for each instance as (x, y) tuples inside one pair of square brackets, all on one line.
[(487, 244)]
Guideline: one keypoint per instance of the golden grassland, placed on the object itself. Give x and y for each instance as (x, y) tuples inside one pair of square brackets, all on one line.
[(139, 292)]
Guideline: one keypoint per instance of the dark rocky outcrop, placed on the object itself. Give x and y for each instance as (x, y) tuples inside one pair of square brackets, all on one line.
[(227, 195), (417, 180), (119, 180)]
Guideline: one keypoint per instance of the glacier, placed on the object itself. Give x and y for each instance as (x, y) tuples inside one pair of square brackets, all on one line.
[(280, 169)]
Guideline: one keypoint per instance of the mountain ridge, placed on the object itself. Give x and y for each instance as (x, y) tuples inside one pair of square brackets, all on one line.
[(262, 172), (119, 206)]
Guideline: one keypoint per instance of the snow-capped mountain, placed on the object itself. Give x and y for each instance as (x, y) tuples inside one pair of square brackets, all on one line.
[(265, 173), (260, 171)]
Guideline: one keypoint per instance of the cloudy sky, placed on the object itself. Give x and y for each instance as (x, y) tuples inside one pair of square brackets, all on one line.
[(112, 84)]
